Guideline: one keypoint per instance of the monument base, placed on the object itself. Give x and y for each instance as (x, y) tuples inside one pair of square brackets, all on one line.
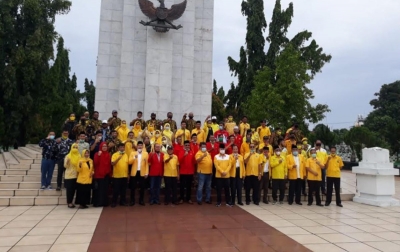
[(375, 200)]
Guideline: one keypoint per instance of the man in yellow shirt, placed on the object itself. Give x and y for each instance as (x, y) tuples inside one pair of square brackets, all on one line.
[(314, 166), (120, 162), (237, 175), (230, 125), (223, 166), (183, 132), (204, 173), (264, 182), (263, 130), (245, 147), (296, 174), (140, 171), (265, 143), (201, 135), (244, 126), (322, 155), (214, 124), (171, 176), (278, 175), (253, 174), (333, 166)]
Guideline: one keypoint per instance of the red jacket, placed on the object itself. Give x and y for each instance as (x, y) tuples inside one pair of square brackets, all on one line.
[(102, 163), (223, 134), (229, 150), (238, 140), (156, 165), (194, 147), (177, 149), (187, 163), (214, 152)]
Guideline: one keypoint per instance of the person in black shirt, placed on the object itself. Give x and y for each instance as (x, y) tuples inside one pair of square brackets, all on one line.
[(95, 144), (64, 145), (49, 156), (69, 125)]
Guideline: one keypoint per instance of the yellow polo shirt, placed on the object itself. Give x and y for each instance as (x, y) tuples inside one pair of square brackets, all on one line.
[(278, 170), (253, 164), (261, 146), (243, 129), (312, 164), (244, 148), (171, 168), (120, 170), (334, 166), (229, 126), (201, 136), (263, 131), (205, 165)]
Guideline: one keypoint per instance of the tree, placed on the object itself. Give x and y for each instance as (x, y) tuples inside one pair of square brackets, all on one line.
[(361, 137), (215, 88), (89, 95), (218, 108), (323, 133)]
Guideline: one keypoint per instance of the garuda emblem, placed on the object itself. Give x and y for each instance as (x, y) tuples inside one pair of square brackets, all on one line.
[(161, 18)]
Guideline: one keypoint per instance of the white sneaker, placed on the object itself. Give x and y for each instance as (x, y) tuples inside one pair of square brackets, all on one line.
[(49, 188), (42, 188)]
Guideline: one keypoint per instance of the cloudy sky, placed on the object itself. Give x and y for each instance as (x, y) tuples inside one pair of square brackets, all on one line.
[(363, 38)]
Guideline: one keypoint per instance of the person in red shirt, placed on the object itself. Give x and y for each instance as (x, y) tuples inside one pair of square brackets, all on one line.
[(213, 149), (178, 148), (229, 145), (187, 163), (194, 146), (102, 172), (238, 137), (221, 135), (156, 163)]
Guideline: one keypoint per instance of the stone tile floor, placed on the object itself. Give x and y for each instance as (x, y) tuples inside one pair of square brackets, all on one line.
[(355, 227)]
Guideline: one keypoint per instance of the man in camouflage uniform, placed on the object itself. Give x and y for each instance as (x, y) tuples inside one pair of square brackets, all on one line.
[(80, 127), (114, 121), (113, 142), (171, 122), (140, 119), (190, 123), (154, 122), (64, 145), (95, 122)]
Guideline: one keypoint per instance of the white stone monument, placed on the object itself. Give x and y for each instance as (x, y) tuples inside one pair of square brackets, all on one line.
[(375, 178), (139, 69)]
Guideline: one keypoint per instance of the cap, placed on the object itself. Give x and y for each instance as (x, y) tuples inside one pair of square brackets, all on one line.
[(236, 127), (104, 121), (304, 139), (153, 114), (214, 117), (114, 111)]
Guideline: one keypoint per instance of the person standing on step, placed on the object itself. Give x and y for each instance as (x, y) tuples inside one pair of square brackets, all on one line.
[(322, 156), (69, 125), (278, 175), (120, 162), (223, 166), (95, 144), (82, 144), (140, 171), (253, 174), (204, 172), (139, 119), (171, 176), (171, 122), (84, 180), (187, 164), (296, 165), (237, 174), (264, 182), (102, 173), (71, 163), (334, 164), (314, 166), (190, 123), (64, 147), (114, 121), (156, 164), (49, 157)]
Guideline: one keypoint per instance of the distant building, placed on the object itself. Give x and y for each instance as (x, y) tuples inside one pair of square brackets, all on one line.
[(360, 121)]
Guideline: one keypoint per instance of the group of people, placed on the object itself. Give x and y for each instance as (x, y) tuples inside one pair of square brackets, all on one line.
[(95, 154)]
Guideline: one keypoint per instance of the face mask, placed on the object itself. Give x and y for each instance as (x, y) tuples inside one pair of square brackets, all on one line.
[(295, 153), (278, 153), (164, 142), (222, 151), (248, 139), (170, 117), (279, 133), (252, 151), (230, 119), (167, 128), (121, 152), (318, 144), (137, 126), (83, 120), (203, 149), (220, 139), (51, 137), (64, 137), (74, 151), (151, 129), (221, 128), (214, 121), (305, 142), (190, 117), (139, 150), (314, 155), (72, 118), (81, 141), (157, 135)]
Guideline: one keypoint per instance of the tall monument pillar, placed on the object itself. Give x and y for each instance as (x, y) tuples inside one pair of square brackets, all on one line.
[(139, 69)]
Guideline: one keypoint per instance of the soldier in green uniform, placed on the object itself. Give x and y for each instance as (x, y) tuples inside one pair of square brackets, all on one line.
[(114, 121), (113, 142), (140, 119), (190, 123), (154, 121), (80, 127), (171, 122)]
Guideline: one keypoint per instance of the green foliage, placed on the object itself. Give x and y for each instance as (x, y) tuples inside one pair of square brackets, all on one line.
[(339, 135), (215, 88), (324, 134), (361, 137), (89, 95), (217, 108)]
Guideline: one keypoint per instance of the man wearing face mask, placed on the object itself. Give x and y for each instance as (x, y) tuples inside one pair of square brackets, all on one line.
[(276, 137), (278, 175), (306, 147), (296, 174), (105, 131), (264, 182), (201, 137), (123, 131), (245, 147), (263, 130), (194, 146), (254, 172), (138, 119), (186, 171), (113, 142), (139, 173), (183, 133), (49, 156), (230, 125), (156, 163), (237, 174), (314, 165), (334, 164), (190, 123), (69, 125), (204, 172), (221, 134), (214, 124), (213, 149), (82, 144), (208, 130), (238, 137), (64, 146), (322, 155), (244, 126), (120, 162), (171, 122), (80, 127), (223, 166), (114, 121)]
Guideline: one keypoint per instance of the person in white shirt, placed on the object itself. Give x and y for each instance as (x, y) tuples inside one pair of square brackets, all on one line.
[(264, 182)]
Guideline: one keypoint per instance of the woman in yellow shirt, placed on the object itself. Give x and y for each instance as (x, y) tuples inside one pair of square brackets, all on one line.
[(84, 181), (71, 163)]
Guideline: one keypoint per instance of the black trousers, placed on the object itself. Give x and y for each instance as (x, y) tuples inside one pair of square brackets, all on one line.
[(119, 189), (100, 192), (61, 170), (303, 187), (137, 181), (83, 194), (185, 186), (295, 189), (264, 183), (70, 185), (278, 184), (314, 186), (329, 184), (252, 183), (171, 188), (236, 187), (223, 183), (213, 181)]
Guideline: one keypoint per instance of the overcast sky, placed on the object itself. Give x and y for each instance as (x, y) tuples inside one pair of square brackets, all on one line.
[(363, 38)]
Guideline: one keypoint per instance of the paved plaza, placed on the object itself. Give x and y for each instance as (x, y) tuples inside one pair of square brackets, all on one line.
[(355, 227)]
